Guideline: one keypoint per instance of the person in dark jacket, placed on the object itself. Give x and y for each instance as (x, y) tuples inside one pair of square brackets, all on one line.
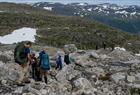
[(104, 45), (35, 67), (67, 59)]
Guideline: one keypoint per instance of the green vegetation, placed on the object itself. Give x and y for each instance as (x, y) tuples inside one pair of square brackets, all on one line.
[(130, 24), (57, 30), (134, 91)]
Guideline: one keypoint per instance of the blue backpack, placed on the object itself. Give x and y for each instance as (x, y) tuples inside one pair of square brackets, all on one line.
[(44, 58)]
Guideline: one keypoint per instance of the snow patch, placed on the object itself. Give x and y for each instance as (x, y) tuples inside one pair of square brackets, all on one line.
[(121, 12), (107, 12), (100, 10), (96, 8), (48, 8), (81, 4), (83, 9), (119, 48), (105, 6), (19, 35), (75, 13), (38, 4), (133, 13), (90, 9)]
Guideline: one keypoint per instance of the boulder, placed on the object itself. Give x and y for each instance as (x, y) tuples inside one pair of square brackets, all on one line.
[(131, 78), (70, 48), (121, 55), (67, 73), (18, 90), (43, 91), (6, 56), (28, 88), (82, 83), (83, 87), (83, 60), (4, 82), (10, 72), (137, 76), (117, 77), (94, 54), (98, 71)]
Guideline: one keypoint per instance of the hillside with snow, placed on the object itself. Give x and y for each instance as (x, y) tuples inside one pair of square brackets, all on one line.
[(56, 30), (124, 17), (84, 8)]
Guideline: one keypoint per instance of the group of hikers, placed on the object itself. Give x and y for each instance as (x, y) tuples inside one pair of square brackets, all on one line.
[(39, 66)]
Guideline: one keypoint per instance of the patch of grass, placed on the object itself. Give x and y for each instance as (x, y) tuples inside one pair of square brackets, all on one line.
[(134, 91)]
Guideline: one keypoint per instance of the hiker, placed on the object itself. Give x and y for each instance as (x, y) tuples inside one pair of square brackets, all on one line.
[(22, 57), (59, 61), (34, 66), (112, 46), (44, 64), (67, 58), (97, 47), (104, 45)]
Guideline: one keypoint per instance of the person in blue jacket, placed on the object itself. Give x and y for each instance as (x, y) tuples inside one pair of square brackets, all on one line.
[(59, 62), (44, 64)]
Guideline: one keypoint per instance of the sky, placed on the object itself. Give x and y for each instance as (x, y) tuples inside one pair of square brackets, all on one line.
[(119, 2)]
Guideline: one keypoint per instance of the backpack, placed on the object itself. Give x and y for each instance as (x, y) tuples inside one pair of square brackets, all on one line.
[(44, 64), (19, 53)]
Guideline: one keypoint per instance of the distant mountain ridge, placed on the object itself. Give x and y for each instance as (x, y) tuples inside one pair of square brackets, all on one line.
[(126, 18)]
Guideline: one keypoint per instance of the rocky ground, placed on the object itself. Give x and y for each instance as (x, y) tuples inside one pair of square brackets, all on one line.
[(101, 72)]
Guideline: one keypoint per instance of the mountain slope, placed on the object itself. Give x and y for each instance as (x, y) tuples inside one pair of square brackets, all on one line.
[(57, 30), (126, 18)]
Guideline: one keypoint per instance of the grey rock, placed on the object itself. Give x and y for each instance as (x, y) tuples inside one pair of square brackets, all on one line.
[(33, 90), (82, 83), (18, 90), (118, 76), (67, 73), (79, 78), (3, 82), (121, 55), (131, 78), (70, 48)]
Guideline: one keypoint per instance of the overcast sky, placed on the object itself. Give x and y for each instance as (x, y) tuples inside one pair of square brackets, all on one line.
[(121, 2)]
